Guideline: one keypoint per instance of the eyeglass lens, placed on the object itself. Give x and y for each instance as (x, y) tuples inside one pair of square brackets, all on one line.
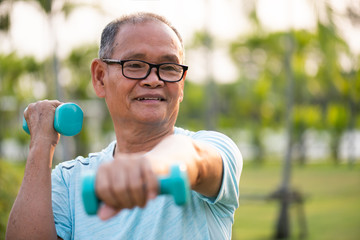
[(138, 69)]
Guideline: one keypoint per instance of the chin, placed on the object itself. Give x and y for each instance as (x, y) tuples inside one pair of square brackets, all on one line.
[(156, 116), (152, 118)]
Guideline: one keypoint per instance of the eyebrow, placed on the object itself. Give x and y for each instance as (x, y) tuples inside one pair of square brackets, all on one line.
[(134, 56), (170, 58), (141, 56)]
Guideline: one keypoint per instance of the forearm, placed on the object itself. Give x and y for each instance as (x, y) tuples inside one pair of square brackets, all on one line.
[(31, 216), (203, 162), (210, 170), (120, 183)]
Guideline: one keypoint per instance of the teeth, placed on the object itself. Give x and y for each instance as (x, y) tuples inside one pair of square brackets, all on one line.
[(139, 99)]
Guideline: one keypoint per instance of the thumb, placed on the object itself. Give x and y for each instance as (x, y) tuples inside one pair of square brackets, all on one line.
[(105, 212)]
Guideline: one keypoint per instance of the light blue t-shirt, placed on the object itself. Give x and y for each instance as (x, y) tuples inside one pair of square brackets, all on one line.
[(200, 218)]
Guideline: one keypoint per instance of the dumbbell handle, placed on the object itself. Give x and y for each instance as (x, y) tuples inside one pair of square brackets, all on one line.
[(176, 184), (68, 119)]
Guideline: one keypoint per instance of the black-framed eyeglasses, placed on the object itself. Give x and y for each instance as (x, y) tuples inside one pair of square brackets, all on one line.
[(139, 70)]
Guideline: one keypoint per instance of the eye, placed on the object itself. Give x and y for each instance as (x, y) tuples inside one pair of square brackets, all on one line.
[(135, 65), (171, 68)]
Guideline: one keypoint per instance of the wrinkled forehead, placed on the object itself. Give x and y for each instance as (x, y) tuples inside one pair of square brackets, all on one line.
[(153, 20), (149, 35)]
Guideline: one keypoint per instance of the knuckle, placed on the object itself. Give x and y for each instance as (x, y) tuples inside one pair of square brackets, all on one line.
[(119, 189), (30, 107)]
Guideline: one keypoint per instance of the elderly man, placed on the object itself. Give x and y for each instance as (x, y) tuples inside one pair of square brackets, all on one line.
[(139, 74)]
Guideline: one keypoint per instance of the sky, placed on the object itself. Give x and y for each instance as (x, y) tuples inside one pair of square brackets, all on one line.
[(31, 33)]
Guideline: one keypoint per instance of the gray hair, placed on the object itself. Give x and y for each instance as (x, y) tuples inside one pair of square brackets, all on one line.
[(109, 33)]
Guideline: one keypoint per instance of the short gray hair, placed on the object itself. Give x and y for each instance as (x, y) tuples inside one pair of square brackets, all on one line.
[(109, 33)]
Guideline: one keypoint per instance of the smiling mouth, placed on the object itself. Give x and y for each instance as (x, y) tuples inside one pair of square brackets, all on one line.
[(153, 99)]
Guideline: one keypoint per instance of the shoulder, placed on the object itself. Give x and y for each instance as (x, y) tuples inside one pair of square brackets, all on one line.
[(203, 134), (227, 148), (217, 139)]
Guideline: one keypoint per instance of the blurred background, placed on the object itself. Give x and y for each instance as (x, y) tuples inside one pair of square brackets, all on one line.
[(280, 77)]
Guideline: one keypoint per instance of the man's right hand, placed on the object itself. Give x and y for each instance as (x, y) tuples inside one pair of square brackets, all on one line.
[(40, 119), (31, 216)]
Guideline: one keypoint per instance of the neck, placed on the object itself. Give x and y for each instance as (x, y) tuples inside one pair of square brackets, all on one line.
[(140, 138)]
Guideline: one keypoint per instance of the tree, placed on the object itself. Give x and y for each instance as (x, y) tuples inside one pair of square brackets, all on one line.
[(18, 78)]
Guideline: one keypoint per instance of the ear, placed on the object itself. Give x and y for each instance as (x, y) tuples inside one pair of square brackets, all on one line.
[(98, 73)]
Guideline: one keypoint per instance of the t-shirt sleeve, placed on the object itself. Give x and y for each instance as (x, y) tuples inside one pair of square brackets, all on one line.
[(227, 199), (60, 204)]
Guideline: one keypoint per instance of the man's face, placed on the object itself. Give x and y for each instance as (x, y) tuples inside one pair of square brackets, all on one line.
[(151, 100)]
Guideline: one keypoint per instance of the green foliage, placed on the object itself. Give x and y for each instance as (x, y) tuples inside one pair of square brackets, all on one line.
[(46, 5), (307, 115), (337, 117), (10, 179), (12, 68), (4, 22), (79, 85), (192, 109), (325, 72), (18, 77)]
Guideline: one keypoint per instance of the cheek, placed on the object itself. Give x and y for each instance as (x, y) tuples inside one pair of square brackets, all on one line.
[(118, 87), (176, 93), (115, 93)]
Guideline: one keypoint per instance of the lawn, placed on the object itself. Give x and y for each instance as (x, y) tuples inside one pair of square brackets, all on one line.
[(332, 202)]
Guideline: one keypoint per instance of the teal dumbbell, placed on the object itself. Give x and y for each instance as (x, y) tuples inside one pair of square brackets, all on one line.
[(175, 184), (68, 119)]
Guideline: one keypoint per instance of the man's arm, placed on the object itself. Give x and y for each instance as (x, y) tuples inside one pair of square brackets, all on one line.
[(31, 216), (130, 180), (203, 162)]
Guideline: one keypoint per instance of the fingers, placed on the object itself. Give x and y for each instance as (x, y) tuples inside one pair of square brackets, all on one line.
[(126, 182), (40, 119), (47, 106), (103, 185), (136, 187), (151, 180)]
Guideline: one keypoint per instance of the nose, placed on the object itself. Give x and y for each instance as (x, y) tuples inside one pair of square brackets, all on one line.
[(152, 80)]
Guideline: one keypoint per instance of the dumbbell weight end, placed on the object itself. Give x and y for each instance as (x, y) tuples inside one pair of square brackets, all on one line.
[(68, 119), (175, 184)]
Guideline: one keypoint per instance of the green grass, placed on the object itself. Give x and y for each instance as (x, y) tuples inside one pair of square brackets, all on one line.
[(332, 205), (11, 175)]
